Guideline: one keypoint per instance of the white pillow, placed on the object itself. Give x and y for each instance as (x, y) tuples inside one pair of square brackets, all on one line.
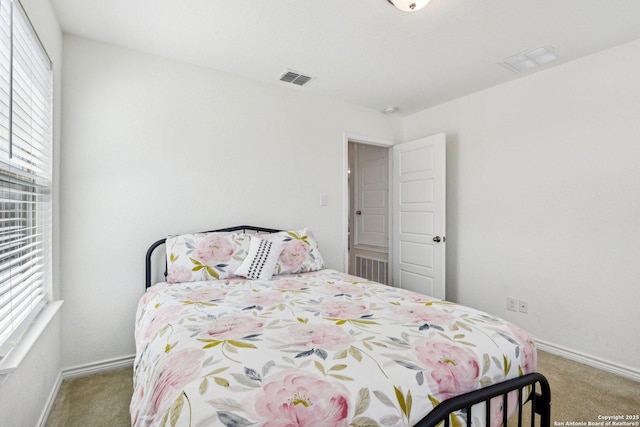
[(261, 261)]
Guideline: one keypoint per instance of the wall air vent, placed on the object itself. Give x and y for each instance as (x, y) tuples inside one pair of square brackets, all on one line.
[(295, 78)]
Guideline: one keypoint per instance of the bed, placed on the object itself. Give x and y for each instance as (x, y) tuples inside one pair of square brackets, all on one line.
[(249, 328)]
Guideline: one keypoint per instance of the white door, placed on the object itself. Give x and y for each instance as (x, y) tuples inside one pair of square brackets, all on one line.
[(419, 215), (371, 188)]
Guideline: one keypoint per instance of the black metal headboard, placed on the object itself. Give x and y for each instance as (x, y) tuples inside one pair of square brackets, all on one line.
[(243, 228)]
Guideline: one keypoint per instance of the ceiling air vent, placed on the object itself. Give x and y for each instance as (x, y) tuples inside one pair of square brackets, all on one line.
[(295, 78)]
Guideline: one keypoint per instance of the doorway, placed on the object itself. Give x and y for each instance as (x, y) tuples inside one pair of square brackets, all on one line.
[(369, 211), (416, 215)]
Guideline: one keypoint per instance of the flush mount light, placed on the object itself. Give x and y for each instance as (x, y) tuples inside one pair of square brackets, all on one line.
[(390, 109), (409, 5), (530, 59)]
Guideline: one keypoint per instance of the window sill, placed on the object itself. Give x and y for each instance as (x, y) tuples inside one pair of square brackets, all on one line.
[(11, 362)]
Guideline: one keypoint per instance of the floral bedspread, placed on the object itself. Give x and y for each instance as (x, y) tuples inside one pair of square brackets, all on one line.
[(313, 349)]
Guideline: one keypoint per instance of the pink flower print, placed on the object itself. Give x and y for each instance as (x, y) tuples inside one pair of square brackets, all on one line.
[(213, 250), (137, 401), (414, 296), (178, 274), (416, 313), (497, 405), (454, 370), (294, 254), (349, 278), (527, 348), (172, 375), (162, 317), (263, 299), (289, 285), (296, 399), (231, 327), (340, 309), (325, 337), (207, 293), (346, 289)]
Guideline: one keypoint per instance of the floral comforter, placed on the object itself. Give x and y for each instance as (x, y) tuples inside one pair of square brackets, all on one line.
[(313, 349)]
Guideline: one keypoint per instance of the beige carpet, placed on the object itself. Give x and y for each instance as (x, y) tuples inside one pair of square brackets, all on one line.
[(578, 393), (100, 400)]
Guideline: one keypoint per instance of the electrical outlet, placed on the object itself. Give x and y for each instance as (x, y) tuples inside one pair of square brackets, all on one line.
[(524, 306), (512, 304)]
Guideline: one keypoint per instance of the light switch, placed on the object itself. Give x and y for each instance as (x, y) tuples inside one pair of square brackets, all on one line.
[(323, 200)]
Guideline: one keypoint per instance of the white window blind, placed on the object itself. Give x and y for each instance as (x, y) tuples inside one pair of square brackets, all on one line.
[(26, 103)]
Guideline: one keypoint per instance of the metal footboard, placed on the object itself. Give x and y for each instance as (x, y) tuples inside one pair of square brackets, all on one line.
[(539, 399)]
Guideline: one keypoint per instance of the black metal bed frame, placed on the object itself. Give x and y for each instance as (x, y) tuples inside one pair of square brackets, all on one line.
[(540, 402), (539, 397)]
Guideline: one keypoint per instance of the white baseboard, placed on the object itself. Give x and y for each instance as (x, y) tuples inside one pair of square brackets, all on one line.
[(44, 416), (595, 362), (97, 367)]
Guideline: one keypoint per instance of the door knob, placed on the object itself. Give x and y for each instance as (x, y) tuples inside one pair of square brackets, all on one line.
[(439, 239), (358, 212)]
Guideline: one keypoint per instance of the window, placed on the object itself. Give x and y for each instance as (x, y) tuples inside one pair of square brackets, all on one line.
[(26, 98)]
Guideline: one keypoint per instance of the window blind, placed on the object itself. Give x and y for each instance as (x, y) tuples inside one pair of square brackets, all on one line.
[(26, 104)]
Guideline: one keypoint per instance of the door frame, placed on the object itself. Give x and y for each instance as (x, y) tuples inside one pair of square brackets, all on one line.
[(368, 140)]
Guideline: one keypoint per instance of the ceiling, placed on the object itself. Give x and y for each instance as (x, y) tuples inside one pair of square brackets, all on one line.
[(365, 52)]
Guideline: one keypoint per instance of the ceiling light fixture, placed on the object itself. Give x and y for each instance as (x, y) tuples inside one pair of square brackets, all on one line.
[(390, 109), (533, 58), (409, 5)]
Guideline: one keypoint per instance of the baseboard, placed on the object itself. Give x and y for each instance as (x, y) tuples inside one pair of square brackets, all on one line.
[(97, 367), (594, 362), (44, 416)]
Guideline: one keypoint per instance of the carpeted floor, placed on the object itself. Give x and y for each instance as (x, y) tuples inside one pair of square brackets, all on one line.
[(579, 394), (100, 400)]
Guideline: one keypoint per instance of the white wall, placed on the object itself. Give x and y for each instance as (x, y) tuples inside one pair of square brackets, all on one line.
[(153, 147), (543, 187), (26, 394), (27, 390), (544, 201)]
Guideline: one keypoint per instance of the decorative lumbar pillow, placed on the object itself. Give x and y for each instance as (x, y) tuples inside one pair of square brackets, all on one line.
[(300, 253), (261, 261), (205, 256)]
